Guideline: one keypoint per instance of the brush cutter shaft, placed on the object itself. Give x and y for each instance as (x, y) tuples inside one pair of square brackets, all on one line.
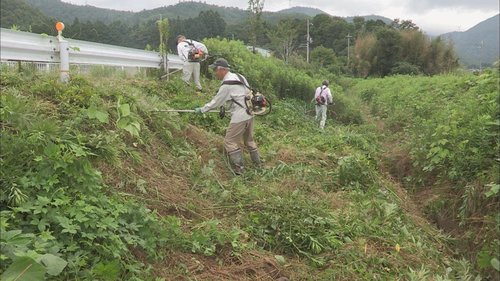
[(221, 111), (182, 110), (176, 110)]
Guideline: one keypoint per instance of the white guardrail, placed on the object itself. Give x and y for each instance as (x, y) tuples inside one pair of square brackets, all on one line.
[(25, 46)]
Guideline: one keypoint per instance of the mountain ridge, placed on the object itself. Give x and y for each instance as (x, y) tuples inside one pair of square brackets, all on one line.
[(467, 44), (67, 12), (479, 45), (302, 10)]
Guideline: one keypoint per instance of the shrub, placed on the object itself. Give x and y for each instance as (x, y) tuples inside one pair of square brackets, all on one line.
[(354, 171), (292, 225), (405, 68)]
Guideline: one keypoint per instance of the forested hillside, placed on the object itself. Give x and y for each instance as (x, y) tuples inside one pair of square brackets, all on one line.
[(67, 12), (98, 185), (19, 14), (377, 49), (311, 12), (183, 10), (480, 44), (283, 32)]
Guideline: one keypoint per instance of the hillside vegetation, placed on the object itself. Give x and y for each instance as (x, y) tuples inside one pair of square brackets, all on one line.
[(379, 47), (183, 10), (443, 143), (96, 185), (479, 45), (20, 15)]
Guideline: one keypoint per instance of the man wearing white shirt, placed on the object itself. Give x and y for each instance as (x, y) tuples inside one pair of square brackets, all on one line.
[(191, 65), (241, 124), (323, 97)]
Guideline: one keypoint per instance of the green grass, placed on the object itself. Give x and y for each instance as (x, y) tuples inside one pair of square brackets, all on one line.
[(91, 175), (447, 127)]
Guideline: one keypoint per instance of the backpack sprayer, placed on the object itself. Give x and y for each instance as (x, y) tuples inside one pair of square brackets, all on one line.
[(206, 58)]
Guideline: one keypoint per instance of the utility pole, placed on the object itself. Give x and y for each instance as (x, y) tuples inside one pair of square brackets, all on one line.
[(481, 45), (308, 40), (348, 47)]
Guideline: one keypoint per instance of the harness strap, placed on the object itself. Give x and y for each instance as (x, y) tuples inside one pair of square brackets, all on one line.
[(236, 82), (321, 92), (241, 81)]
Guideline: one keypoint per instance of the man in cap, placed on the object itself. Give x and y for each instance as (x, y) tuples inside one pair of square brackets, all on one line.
[(186, 48), (322, 97), (241, 124)]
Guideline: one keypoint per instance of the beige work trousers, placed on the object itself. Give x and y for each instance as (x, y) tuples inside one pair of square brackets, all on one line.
[(321, 115), (191, 69), (237, 132)]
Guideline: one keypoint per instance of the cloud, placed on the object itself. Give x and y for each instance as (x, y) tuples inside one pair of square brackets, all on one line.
[(434, 16), (474, 5), (433, 23), (337, 8)]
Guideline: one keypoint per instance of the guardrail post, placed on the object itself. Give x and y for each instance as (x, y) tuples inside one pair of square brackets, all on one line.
[(64, 65), (165, 58), (63, 54)]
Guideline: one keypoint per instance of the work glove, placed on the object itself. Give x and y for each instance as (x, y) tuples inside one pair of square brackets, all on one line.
[(198, 110)]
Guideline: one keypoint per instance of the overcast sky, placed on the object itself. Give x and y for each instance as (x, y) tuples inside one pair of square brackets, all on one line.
[(433, 16)]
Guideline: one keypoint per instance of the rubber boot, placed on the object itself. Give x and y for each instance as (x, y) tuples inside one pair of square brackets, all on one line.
[(236, 158), (254, 154)]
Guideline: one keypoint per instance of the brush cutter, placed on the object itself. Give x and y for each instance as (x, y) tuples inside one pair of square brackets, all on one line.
[(221, 111)]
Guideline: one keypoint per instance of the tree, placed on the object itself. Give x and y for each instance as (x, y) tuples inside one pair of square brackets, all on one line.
[(144, 33), (363, 54), (283, 38), (409, 51), (331, 32), (163, 29), (374, 25), (325, 58), (255, 8), (359, 23), (209, 24), (404, 67), (25, 17), (387, 50), (118, 33), (413, 44), (322, 31), (439, 57), (404, 25)]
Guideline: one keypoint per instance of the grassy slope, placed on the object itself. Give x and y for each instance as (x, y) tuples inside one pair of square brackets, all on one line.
[(441, 142), (320, 202)]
